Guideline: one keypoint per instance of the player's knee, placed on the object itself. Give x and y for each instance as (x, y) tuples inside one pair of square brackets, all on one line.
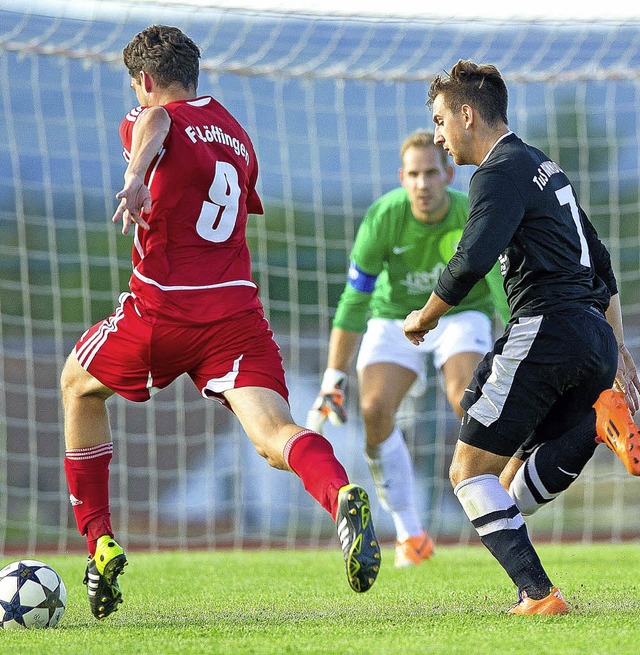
[(455, 391), (70, 381), (455, 474), (76, 383), (376, 411), (460, 469)]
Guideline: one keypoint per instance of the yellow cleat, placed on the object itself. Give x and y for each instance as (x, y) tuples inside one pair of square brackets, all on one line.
[(101, 576)]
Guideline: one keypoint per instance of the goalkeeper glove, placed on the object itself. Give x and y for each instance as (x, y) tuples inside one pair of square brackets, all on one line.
[(330, 401)]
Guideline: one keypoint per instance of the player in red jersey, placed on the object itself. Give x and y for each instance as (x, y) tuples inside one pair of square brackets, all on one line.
[(192, 308)]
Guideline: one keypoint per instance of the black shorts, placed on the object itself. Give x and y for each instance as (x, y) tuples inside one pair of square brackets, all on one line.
[(541, 378)]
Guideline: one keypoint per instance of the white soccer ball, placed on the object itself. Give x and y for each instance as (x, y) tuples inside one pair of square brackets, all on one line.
[(32, 595)]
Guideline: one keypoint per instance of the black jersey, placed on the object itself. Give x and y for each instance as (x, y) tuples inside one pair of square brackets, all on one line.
[(524, 211)]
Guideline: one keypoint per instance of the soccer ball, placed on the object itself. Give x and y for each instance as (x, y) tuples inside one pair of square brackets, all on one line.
[(32, 595)]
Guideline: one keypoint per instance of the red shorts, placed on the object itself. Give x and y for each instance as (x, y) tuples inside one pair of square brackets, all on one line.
[(135, 355)]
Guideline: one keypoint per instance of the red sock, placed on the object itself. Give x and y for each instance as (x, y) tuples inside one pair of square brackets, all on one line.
[(310, 456), (87, 471)]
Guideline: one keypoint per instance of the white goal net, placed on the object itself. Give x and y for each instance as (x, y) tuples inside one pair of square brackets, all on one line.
[(327, 102)]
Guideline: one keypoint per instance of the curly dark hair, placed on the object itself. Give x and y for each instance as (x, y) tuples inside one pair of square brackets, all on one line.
[(166, 53), (478, 85)]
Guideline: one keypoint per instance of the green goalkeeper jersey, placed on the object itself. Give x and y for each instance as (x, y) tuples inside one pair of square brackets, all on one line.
[(397, 260)]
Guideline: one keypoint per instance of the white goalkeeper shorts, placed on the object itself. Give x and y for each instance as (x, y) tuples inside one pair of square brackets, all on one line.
[(384, 341)]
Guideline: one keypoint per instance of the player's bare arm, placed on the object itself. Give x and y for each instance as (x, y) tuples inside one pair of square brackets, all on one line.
[(342, 346), (149, 133), (421, 321), (627, 377)]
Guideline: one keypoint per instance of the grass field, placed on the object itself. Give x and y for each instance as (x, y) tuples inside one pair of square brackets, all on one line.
[(299, 602)]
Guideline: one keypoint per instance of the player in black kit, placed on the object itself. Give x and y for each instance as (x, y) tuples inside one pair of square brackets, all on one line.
[(561, 347)]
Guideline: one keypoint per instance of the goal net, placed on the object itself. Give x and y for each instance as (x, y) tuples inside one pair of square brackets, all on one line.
[(327, 102)]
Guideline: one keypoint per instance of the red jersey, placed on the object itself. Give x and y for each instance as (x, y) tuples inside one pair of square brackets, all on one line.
[(193, 264)]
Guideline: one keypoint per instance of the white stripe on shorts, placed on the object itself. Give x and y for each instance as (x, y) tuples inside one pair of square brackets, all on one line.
[(489, 406), (89, 349), (226, 382)]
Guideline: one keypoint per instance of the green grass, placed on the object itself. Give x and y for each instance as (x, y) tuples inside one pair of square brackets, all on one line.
[(299, 602)]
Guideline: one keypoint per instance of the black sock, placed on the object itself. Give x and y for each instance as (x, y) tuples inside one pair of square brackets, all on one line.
[(515, 552), (559, 462), (553, 466), (502, 530)]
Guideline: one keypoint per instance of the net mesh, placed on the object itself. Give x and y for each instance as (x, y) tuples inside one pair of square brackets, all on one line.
[(327, 101)]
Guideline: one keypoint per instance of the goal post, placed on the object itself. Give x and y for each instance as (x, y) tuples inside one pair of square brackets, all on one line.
[(327, 102)]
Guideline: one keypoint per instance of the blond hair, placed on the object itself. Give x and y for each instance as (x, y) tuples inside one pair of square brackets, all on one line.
[(422, 139)]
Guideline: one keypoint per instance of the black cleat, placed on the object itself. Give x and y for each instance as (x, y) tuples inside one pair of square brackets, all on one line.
[(357, 537)]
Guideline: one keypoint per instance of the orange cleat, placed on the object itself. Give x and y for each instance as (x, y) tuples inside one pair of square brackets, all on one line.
[(616, 428), (554, 603), (413, 550)]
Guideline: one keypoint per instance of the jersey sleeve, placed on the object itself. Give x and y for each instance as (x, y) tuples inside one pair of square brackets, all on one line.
[(126, 130), (353, 310), (254, 204), (367, 261), (495, 283), (368, 252), (599, 255), (496, 209)]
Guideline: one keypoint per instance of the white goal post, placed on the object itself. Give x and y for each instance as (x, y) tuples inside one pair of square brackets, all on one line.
[(327, 102)]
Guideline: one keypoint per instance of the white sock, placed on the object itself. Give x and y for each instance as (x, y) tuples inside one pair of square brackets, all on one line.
[(527, 490), (392, 471), (487, 504)]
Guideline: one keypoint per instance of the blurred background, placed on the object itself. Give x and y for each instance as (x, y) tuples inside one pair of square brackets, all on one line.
[(327, 97)]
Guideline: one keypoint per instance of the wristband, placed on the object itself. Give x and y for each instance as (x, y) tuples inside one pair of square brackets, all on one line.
[(331, 379)]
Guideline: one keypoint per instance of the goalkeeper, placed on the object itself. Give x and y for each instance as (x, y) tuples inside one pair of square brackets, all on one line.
[(405, 241)]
